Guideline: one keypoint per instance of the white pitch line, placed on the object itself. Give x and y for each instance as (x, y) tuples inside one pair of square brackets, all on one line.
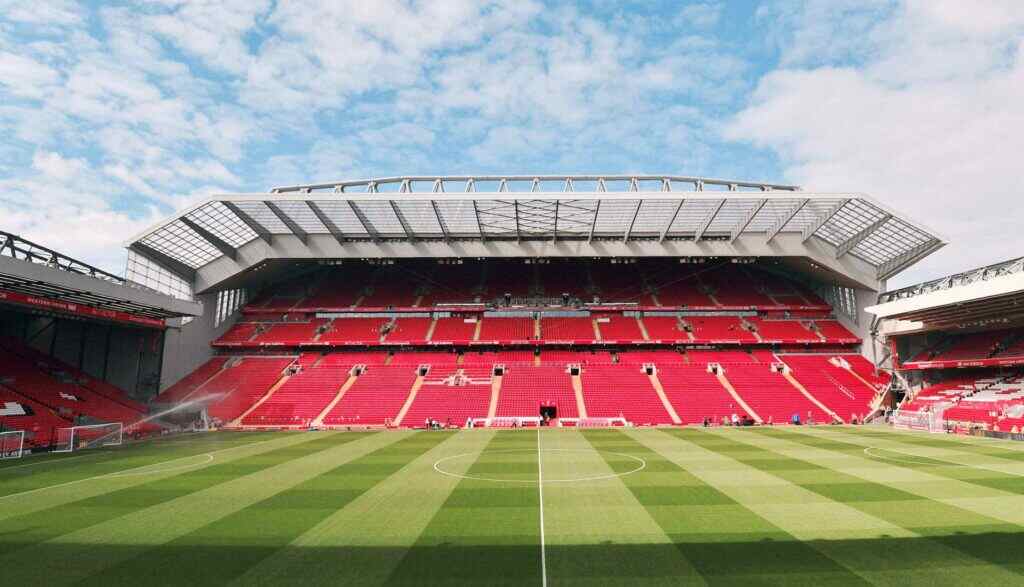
[(540, 493), (117, 473), (49, 462)]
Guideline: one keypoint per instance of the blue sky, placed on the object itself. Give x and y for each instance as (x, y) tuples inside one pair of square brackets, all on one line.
[(115, 114)]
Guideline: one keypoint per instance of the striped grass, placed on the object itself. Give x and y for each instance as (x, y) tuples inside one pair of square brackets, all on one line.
[(785, 506)]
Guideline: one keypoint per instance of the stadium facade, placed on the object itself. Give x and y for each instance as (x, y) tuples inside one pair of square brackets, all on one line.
[(371, 302)]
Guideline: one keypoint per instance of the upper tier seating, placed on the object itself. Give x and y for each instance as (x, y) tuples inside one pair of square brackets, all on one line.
[(614, 391), (242, 385), (786, 331), (191, 382), (619, 328), (979, 345), (409, 330), (238, 333), (837, 388), (665, 329), (301, 398), (771, 396), (506, 330), (375, 398), (696, 394), (451, 395), (453, 330), (525, 388), (687, 293), (355, 330), (567, 329), (719, 329), (832, 330), (290, 333)]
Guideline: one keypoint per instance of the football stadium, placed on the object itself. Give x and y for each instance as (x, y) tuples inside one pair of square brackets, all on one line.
[(512, 380)]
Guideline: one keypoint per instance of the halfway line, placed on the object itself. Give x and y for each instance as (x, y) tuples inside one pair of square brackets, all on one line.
[(540, 492)]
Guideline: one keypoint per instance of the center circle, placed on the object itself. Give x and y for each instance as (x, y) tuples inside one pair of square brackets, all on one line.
[(439, 466)]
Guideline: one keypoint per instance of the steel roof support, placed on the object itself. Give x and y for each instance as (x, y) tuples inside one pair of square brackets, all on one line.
[(515, 209), (401, 220), (706, 223), (211, 238), (670, 221), (249, 221), (367, 225), (168, 263), (847, 245), (629, 228), (746, 220), (554, 227), (593, 223), (287, 221), (784, 220), (820, 221), (901, 262), (440, 221), (479, 227), (326, 221)]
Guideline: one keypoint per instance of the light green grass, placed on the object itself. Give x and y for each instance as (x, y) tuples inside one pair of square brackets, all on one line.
[(765, 506)]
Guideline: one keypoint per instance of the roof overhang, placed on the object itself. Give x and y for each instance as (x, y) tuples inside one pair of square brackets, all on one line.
[(585, 216), (44, 284), (988, 296)]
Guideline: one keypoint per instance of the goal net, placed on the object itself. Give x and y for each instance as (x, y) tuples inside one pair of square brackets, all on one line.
[(12, 444), (92, 436)]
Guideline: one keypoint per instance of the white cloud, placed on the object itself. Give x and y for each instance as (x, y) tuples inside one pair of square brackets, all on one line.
[(24, 77), (927, 117)]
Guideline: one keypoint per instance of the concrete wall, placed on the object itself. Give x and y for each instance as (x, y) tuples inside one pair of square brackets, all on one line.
[(187, 347)]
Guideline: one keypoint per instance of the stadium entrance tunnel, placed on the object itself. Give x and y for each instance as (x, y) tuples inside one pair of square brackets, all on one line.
[(548, 412)]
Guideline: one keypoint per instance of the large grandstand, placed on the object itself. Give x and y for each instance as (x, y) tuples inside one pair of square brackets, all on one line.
[(275, 356)]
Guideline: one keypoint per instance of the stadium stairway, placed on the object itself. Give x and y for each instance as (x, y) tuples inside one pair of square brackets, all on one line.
[(814, 400), (736, 396), (413, 391), (660, 390), (577, 387), (270, 392), (319, 420)]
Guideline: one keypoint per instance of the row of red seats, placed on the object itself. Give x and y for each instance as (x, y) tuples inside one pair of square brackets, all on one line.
[(423, 284), (504, 330)]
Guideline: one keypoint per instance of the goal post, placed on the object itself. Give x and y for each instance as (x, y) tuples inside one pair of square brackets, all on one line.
[(12, 444), (91, 436)]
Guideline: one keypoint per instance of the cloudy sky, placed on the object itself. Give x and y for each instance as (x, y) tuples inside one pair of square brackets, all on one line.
[(115, 115)]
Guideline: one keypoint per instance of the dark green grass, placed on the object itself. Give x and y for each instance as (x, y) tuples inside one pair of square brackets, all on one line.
[(488, 532)]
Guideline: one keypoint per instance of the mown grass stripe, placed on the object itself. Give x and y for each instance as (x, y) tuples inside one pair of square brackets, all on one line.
[(362, 543), (226, 548), (938, 525), (55, 469), (486, 532), (725, 540), (613, 540), (985, 492), (37, 526), (993, 447)]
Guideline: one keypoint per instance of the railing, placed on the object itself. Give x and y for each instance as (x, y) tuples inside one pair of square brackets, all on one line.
[(966, 278)]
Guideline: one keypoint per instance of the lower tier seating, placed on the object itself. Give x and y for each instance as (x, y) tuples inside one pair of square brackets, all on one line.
[(301, 399), (605, 386), (696, 394), (375, 398), (771, 396), (241, 385), (450, 395), (526, 388)]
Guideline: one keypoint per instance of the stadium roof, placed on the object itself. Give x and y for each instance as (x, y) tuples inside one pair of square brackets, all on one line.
[(989, 296), (483, 216), (44, 278)]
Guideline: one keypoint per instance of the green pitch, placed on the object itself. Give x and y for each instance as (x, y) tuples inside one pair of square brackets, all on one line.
[(795, 506)]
